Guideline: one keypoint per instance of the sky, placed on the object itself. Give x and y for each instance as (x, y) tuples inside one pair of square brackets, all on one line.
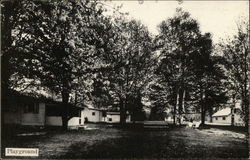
[(217, 17)]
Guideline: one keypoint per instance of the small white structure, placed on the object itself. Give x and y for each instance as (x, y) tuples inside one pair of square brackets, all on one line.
[(114, 117), (57, 121), (227, 116), (101, 115), (92, 115)]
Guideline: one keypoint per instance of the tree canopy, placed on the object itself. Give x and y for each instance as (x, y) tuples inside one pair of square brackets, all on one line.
[(78, 52)]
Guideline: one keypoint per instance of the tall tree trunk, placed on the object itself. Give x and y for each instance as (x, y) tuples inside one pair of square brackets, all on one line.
[(65, 114), (202, 107), (211, 117), (123, 112), (203, 115), (181, 104), (133, 120), (183, 100), (232, 111), (245, 108), (176, 106)]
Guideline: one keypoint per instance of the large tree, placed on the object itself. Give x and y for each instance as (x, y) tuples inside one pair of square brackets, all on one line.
[(57, 43), (192, 73), (208, 77), (176, 40), (11, 17), (131, 60), (236, 53), (159, 94)]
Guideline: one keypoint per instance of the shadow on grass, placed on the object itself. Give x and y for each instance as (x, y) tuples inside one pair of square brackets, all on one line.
[(109, 142), (132, 145), (148, 144)]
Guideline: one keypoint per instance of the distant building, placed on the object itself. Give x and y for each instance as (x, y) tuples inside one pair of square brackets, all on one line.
[(228, 116), (182, 118), (95, 115), (26, 110), (192, 116), (92, 115), (114, 117)]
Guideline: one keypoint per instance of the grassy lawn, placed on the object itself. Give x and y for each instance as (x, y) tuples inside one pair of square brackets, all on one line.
[(101, 141)]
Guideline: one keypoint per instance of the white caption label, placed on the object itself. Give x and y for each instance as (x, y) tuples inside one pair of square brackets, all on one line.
[(21, 152)]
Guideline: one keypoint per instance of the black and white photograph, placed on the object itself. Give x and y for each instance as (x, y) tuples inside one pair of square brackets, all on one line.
[(125, 79)]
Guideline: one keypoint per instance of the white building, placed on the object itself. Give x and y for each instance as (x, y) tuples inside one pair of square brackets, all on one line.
[(100, 115), (114, 117), (92, 115), (227, 116), (30, 111)]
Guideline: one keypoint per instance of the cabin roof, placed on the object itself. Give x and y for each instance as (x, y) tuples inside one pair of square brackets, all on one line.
[(14, 96), (113, 113), (95, 109), (222, 112)]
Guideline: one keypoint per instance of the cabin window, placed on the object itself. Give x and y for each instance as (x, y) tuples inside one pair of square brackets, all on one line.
[(93, 113), (223, 118), (216, 118), (110, 119), (31, 108)]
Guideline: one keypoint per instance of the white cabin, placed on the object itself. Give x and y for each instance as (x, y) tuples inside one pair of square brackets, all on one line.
[(227, 116), (101, 115), (30, 111)]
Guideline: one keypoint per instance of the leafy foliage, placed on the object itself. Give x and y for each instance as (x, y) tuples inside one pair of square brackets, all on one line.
[(237, 61)]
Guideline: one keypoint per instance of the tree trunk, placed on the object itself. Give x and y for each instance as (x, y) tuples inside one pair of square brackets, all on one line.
[(211, 118), (181, 104), (65, 114), (133, 120), (232, 111), (176, 106), (203, 115), (247, 112), (183, 100), (202, 107), (123, 112), (245, 108)]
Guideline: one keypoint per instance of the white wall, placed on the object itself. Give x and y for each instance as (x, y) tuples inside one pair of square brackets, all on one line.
[(57, 121), (74, 121), (36, 119), (91, 118), (53, 121), (238, 121), (98, 117), (220, 119), (116, 118)]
